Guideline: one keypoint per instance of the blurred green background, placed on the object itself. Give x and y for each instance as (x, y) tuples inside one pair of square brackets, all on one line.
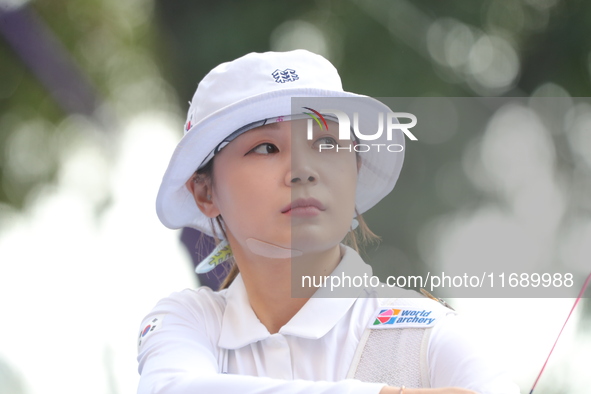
[(381, 48), (76, 77)]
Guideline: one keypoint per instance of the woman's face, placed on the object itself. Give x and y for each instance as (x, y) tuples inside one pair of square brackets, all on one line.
[(274, 185)]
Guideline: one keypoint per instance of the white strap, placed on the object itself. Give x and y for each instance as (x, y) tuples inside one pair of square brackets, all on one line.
[(358, 352)]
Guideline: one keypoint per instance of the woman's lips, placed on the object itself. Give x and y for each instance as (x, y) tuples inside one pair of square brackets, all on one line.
[(304, 207), (304, 211)]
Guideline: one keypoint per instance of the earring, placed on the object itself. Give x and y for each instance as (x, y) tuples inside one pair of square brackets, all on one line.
[(221, 253), (209, 196), (354, 224)]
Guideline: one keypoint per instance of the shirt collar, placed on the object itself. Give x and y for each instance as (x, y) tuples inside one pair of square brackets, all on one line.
[(240, 325)]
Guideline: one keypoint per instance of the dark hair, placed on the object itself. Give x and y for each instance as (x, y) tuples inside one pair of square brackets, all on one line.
[(361, 235)]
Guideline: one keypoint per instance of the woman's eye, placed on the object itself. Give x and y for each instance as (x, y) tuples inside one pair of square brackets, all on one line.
[(325, 141), (265, 149)]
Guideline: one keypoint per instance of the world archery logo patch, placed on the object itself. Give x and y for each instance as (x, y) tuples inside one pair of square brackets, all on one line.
[(152, 325), (403, 318), (287, 75)]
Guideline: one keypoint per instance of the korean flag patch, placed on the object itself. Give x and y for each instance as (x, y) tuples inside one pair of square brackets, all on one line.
[(153, 324)]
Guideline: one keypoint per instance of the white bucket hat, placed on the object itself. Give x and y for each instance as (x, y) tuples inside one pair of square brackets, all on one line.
[(256, 87)]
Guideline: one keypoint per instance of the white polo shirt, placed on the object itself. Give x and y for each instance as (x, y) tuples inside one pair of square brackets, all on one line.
[(201, 341)]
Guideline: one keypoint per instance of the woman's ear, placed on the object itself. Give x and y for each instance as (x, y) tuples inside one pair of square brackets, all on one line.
[(202, 194)]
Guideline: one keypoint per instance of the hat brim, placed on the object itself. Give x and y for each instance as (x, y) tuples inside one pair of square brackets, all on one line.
[(176, 206)]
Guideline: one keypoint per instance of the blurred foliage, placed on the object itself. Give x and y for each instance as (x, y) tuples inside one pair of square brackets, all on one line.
[(382, 48), (552, 40), (111, 43)]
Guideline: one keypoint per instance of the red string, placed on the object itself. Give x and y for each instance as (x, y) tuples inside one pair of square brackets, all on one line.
[(560, 333)]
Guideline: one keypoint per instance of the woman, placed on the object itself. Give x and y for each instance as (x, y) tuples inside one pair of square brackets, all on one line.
[(259, 175)]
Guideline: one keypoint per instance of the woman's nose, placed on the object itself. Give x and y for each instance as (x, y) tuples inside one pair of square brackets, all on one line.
[(310, 179), (303, 163), (303, 175)]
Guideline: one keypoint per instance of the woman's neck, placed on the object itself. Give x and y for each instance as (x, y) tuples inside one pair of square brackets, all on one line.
[(272, 285)]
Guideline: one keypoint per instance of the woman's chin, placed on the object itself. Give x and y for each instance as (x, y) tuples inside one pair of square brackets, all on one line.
[(312, 245)]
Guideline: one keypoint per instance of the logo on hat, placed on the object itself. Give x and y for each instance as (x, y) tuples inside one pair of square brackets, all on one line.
[(287, 75)]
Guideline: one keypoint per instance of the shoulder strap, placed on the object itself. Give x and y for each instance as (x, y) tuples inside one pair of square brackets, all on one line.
[(393, 347)]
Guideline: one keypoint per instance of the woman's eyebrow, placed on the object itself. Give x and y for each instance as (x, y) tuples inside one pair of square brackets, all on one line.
[(268, 128), (274, 125)]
